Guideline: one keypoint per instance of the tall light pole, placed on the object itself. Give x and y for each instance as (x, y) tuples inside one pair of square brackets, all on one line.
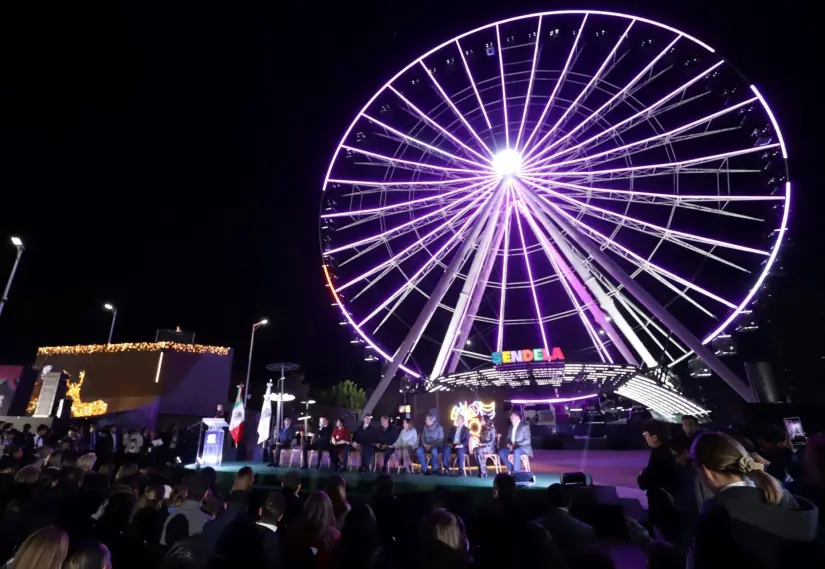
[(17, 242), (113, 310), (283, 368), (255, 326)]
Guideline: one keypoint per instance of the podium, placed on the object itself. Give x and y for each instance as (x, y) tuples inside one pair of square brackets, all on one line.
[(212, 453)]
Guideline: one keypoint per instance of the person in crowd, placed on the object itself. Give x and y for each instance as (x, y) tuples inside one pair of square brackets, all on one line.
[(220, 413), (268, 547), (336, 489), (660, 478), (27, 437), (387, 435), (90, 555), (187, 518), (690, 428), (313, 535), (782, 461), (486, 444), (364, 440), (290, 487), (458, 440), (811, 484), (442, 543), (518, 443), (572, 536), (387, 510), (284, 438), (150, 513), (360, 547), (40, 438), (432, 439), (186, 554), (751, 521), (406, 442), (340, 443), (46, 548), (320, 442), (244, 480)]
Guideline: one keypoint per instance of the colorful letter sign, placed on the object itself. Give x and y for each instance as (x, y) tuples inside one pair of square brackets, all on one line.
[(527, 356)]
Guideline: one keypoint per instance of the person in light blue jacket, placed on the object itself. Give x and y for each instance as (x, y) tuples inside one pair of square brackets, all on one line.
[(432, 439)]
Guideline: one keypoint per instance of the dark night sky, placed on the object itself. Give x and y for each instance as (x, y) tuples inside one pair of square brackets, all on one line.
[(168, 157)]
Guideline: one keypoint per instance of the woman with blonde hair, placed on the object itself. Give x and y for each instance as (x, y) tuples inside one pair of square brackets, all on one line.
[(44, 549), (336, 489), (751, 521)]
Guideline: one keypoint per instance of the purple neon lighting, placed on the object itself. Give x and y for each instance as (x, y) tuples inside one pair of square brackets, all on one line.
[(529, 85), (500, 340), (648, 109), (583, 92), (557, 86), (408, 162), (503, 88), (555, 400), (546, 344), (551, 172), (409, 248), (473, 83)]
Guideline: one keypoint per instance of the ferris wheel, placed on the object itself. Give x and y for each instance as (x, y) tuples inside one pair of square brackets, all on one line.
[(579, 178)]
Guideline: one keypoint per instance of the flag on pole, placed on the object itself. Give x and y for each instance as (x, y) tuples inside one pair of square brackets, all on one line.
[(236, 424), (266, 416)]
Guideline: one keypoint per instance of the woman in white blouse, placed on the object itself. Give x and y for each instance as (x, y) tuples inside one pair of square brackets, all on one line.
[(407, 441)]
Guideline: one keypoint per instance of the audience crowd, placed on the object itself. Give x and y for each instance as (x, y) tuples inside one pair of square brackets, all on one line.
[(87, 500)]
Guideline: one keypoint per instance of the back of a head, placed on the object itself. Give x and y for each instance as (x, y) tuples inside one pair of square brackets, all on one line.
[(196, 485), (238, 500), (441, 525), (559, 496), (72, 477), (316, 517), (29, 474), (87, 461), (384, 486), (44, 549), (292, 481), (92, 555), (244, 479), (186, 554), (360, 525), (504, 486), (723, 454), (273, 507), (658, 428)]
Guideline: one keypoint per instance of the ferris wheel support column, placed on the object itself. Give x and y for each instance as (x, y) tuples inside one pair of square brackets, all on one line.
[(655, 308), (475, 301), (471, 285), (427, 312), (606, 303)]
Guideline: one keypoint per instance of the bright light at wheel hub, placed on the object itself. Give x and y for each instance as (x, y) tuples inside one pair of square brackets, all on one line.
[(507, 162)]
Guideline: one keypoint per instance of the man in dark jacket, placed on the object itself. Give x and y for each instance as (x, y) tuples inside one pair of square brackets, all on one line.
[(458, 440), (660, 478), (572, 536), (364, 439), (387, 435), (284, 438), (320, 442), (237, 505)]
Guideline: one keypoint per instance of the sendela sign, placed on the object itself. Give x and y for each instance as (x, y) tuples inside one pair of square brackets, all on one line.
[(534, 355)]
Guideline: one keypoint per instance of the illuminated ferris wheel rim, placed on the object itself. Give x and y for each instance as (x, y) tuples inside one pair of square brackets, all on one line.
[(508, 162)]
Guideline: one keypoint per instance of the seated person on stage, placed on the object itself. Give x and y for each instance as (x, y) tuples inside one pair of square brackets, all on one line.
[(285, 438), (432, 439), (486, 444), (339, 446), (459, 441), (518, 443), (387, 435), (320, 442), (363, 440), (407, 442)]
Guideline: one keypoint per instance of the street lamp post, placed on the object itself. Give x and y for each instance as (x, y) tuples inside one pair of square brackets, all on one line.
[(17, 242), (255, 326), (283, 368), (110, 307)]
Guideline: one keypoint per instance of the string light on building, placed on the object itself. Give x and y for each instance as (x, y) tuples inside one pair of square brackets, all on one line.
[(133, 347), (79, 408)]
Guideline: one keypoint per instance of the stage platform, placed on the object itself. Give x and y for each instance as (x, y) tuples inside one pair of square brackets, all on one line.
[(617, 469)]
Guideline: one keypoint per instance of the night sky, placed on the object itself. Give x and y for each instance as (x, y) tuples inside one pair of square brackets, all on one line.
[(168, 158)]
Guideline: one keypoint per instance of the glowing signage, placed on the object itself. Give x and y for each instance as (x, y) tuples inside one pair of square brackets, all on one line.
[(526, 356), (472, 413)]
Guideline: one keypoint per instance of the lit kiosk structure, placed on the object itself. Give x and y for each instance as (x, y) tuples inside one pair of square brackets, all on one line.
[(212, 453)]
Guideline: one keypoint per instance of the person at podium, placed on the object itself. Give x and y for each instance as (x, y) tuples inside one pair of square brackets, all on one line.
[(320, 442), (284, 439), (219, 412)]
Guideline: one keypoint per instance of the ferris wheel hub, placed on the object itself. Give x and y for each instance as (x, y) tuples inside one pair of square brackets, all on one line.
[(507, 162)]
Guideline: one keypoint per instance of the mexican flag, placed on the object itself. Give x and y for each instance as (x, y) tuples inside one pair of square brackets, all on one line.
[(236, 424)]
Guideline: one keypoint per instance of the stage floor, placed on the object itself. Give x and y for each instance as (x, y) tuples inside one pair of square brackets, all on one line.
[(604, 467)]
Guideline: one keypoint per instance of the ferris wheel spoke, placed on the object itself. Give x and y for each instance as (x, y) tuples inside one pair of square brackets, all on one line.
[(643, 115), (420, 143), (415, 166), (665, 137), (620, 96), (404, 185), (503, 87), (582, 94), (458, 113), (644, 226), (545, 343), (413, 222), (428, 265), (437, 126), (646, 321), (559, 82), (420, 243), (529, 84), (503, 296), (473, 84), (569, 282), (647, 265)]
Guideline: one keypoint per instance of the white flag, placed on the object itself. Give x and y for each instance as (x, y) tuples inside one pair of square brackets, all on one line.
[(266, 416)]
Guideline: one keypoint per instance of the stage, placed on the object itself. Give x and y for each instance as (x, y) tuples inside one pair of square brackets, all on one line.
[(618, 469)]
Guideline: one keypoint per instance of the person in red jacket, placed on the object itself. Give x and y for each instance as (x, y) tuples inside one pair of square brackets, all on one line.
[(339, 446)]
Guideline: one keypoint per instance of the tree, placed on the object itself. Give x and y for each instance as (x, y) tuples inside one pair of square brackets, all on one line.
[(345, 394)]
